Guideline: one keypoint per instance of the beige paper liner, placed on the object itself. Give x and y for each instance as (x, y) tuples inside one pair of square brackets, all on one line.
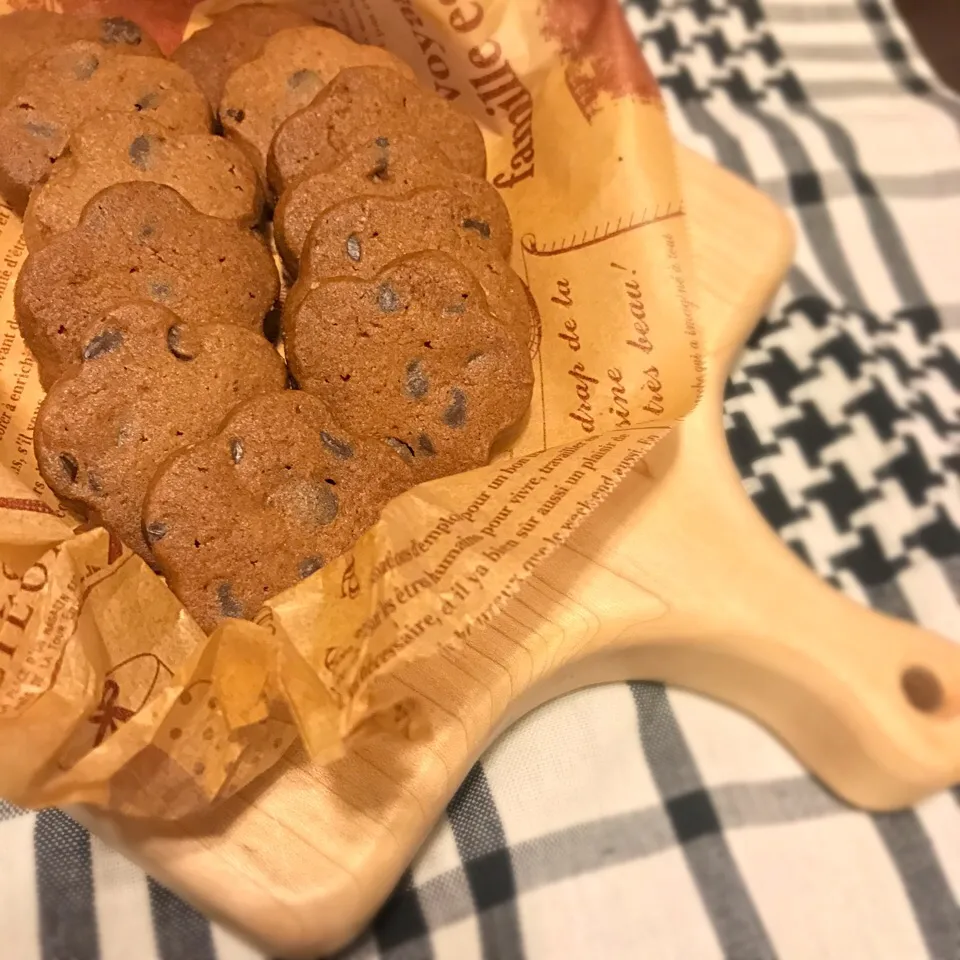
[(111, 695)]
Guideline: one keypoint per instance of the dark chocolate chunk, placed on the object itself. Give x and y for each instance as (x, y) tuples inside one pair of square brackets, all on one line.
[(176, 346), (140, 152), (233, 114), (426, 445), (401, 447), (480, 226), (159, 290), (309, 566), (455, 416), (155, 531), (69, 466), (387, 298), (229, 605), (306, 501), (339, 448), (148, 101), (417, 384), (105, 342), (354, 251), (120, 30), (300, 77)]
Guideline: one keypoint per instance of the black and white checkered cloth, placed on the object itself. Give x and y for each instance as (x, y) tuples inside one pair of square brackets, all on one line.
[(633, 822)]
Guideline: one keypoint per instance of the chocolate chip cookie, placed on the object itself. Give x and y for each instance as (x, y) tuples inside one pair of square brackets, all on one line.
[(360, 237), (233, 39), (148, 385), (139, 241), (388, 167), (208, 171), (26, 33), (292, 68), (281, 490), (212, 174), (57, 90), (361, 104), (413, 357)]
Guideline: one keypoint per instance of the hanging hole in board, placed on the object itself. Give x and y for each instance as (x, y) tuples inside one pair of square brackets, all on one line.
[(923, 690)]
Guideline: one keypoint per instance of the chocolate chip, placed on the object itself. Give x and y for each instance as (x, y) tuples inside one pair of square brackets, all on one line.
[(387, 298), (120, 30), (159, 290), (301, 77), (94, 481), (236, 449), (481, 227), (45, 130), (155, 531), (401, 447), (382, 164), (176, 346), (86, 67), (148, 101), (306, 501), (455, 416), (103, 343), (234, 114), (339, 448), (417, 384), (354, 251), (230, 606), (147, 231), (426, 445), (139, 152), (308, 566), (69, 465)]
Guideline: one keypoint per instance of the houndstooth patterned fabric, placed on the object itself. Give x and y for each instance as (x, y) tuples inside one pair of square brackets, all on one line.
[(630, 821)]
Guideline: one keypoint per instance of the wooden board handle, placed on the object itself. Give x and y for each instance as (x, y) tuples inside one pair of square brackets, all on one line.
[(870, 703)]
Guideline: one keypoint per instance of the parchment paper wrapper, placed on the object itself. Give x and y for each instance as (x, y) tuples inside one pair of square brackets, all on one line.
[(111, 695)]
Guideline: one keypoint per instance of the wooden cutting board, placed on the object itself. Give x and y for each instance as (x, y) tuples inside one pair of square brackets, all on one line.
[(705, 597)]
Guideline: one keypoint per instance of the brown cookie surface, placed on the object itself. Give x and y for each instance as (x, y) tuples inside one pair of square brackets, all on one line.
[(26, 33), (361, 104), (149, 384), (58, 90), (360, 237), (388, 167), (280, 491), (139, 241), (208, 171), (293, 67), (233, 39), (414, 357)]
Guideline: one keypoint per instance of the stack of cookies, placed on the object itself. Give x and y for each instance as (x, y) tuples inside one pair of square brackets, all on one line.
[(238, 446)]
